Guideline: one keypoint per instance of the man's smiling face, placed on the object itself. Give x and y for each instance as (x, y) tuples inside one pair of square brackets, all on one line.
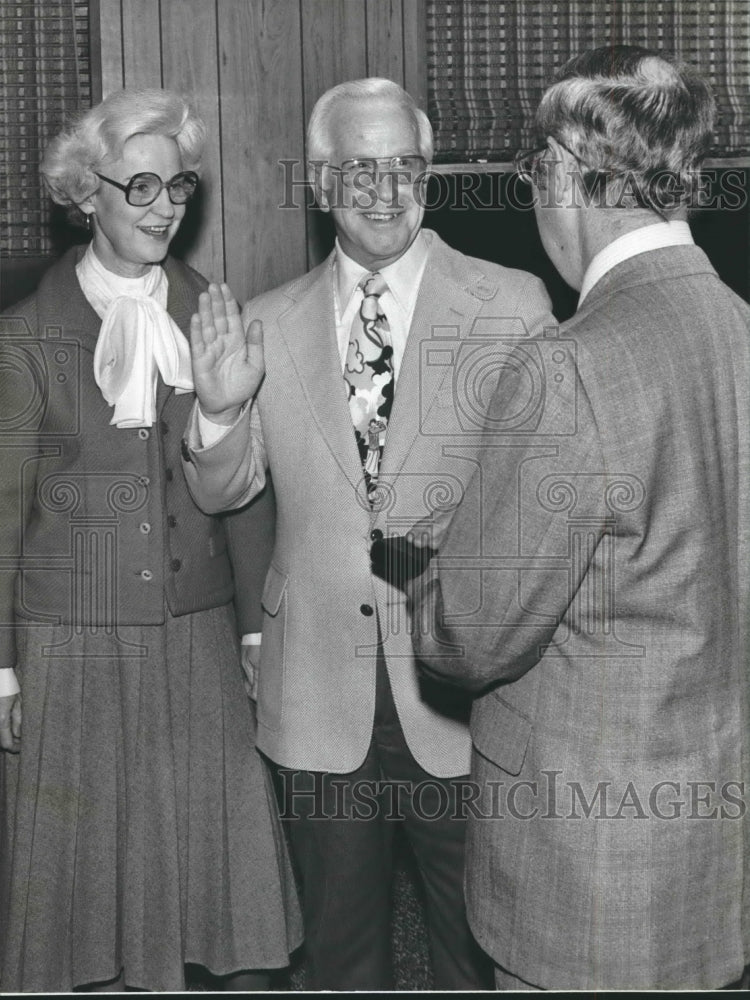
[(375, 223)]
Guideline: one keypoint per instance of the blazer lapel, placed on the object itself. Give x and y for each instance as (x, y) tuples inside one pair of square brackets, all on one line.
[(63, 305), (309, 331), (181, 298), (181, 304), (444, 313)]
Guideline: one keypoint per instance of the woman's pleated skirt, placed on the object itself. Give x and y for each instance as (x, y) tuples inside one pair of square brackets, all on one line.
[(139, 827)]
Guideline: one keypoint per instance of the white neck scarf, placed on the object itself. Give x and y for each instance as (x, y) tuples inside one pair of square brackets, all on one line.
[(137, 340)]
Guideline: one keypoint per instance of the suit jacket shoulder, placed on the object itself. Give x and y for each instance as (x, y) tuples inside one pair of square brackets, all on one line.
[(654, 285), (270, 304), (481, 278), (652, 309)]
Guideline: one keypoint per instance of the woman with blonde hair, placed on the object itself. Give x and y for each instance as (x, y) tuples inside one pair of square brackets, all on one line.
[(138, 829)]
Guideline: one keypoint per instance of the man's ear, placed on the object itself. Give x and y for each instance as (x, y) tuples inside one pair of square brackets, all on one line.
[(318, 176)]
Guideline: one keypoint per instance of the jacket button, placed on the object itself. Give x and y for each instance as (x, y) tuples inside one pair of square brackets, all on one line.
[(176, 565), (146, 574), (168, 475), (366, 610), (143, 434), (145, 528), (376, 535), (164, 427), (172, 521)]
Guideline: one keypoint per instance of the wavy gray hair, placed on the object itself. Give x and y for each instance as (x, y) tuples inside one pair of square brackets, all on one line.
[(628, 112)]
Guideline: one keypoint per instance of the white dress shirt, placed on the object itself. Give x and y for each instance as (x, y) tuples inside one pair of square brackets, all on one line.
[(654, 237), (403, 278)]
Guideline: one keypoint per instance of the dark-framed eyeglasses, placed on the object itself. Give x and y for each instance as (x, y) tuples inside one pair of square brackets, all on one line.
[(365, 170), (144, 188)]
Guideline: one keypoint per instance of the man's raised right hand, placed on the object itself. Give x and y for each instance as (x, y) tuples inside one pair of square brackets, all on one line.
[(227, 358)]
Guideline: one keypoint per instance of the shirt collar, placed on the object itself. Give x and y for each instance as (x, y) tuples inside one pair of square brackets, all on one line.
[(661, 234), (402, 275)]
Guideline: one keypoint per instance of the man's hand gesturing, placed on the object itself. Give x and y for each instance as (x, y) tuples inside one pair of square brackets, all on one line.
[(227, 359)]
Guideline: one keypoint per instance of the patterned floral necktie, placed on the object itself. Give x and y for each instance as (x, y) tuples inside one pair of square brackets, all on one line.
[(368, 373)]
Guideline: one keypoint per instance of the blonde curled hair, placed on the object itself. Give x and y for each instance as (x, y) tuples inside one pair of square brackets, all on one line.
[(70, 160)]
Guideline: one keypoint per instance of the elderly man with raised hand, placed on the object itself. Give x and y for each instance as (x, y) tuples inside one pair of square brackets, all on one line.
[(606, 624), (354, 417)]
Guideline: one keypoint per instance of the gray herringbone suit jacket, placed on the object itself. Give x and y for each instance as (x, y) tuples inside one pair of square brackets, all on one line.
[(612, 608)]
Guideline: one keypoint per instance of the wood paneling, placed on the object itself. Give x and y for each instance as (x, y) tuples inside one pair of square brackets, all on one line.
[(415, 50), (141, 42), (334, 45), (254, 69), (189, 66), (108, 19), (385, 39), (261, 108)]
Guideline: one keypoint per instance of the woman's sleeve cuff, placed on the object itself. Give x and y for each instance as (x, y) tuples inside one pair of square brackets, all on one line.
[(8, 683)]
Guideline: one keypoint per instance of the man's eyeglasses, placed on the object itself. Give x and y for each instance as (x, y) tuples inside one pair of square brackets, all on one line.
[(366, 170), (143, 189), (527, 162), (594, 181)]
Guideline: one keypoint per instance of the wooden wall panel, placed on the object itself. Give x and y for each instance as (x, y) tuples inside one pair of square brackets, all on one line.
[(385, 39), (415, 50), (189, 66), (108, 20), (141, 43), (260, 79), (254, 69), (334, 45)]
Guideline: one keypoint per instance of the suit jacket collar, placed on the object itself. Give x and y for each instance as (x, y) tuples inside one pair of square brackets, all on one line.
[(308, 327), (650, 267), (451, 294)]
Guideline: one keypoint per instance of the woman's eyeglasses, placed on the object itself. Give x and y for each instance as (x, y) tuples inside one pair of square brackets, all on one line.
[(143, 189)]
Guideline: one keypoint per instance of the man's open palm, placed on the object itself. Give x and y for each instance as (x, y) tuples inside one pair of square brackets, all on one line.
[(227, 360)]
